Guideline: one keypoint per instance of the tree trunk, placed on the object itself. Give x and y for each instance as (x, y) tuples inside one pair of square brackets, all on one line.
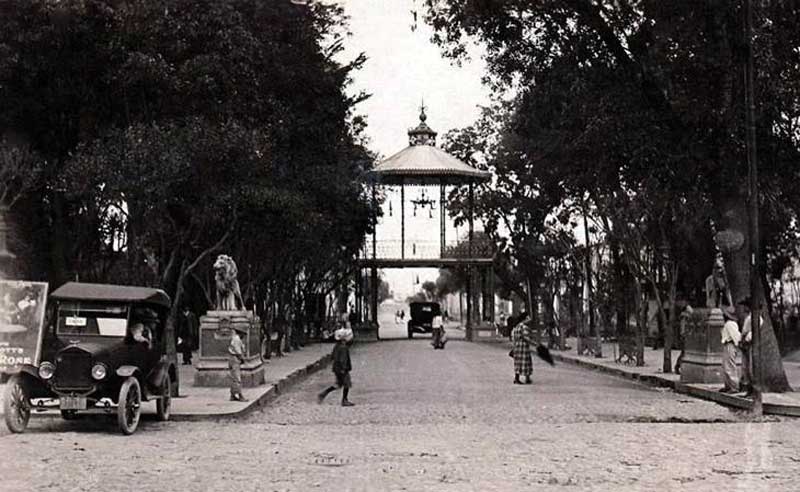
[(669, 334), (641, 321), (58, 236), (619, 283), (733, 210), (667, 330)]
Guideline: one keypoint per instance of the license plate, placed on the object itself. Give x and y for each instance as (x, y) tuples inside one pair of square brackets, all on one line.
[(73, 403)]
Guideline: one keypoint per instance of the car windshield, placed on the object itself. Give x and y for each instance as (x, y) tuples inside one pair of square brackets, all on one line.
[(92, 319)]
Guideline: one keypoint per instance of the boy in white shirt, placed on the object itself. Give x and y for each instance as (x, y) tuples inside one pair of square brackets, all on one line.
[(235, 361), (730, 339)]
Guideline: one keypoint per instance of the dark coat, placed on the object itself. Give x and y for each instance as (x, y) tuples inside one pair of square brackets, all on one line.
[(341, 358)]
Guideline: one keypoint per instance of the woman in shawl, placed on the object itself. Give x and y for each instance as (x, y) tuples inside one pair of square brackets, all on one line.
[(522, 340)]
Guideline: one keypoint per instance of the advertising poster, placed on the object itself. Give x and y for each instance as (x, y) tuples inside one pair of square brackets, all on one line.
[(22, 309)]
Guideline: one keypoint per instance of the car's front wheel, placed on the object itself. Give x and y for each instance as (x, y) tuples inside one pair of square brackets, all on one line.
[(16, 404), (129, 406), (164, 404)]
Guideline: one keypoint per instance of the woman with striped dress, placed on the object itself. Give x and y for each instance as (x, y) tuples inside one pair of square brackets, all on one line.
[(522, 340)]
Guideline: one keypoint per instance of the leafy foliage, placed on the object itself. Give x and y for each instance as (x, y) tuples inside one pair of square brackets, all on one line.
[(171, 131)]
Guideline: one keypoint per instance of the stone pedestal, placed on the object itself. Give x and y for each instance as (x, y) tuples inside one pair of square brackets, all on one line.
[(215, 336), (589, 346), (702, 358), (484, 332)]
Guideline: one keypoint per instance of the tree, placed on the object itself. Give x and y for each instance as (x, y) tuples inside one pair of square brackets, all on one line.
[(173, 131), (653, 77)]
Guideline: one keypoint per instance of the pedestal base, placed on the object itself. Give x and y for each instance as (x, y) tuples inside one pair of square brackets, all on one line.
[(702, 358), (216, 374), (215, 336), (484, 332), (693, 372), (589, 346)]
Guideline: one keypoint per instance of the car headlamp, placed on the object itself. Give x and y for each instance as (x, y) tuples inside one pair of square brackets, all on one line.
[(46, 370), (99, 372)]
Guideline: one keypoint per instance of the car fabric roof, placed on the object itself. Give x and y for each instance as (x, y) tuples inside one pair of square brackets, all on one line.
[(77, 291)]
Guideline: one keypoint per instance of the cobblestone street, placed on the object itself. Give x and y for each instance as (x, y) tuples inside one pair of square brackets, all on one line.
[(426, 420)]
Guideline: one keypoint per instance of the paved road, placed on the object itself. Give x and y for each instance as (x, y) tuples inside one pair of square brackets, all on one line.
[(427, 420)]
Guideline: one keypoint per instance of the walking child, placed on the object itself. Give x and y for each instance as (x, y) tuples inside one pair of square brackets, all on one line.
[(235, 361), (341, 366)]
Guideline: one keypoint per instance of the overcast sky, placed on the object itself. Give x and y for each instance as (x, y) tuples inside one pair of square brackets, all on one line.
[(403, 68)]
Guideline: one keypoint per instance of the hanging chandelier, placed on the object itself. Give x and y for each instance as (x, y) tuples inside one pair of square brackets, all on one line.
[(422, 202)]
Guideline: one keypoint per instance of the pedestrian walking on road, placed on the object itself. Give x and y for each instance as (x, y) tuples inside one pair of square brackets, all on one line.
[(235, 361), (730, 339), (522, 340), (341, 366), (439, 336)]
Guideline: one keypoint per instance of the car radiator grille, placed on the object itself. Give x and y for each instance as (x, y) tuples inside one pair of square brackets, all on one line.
[(74, 371)]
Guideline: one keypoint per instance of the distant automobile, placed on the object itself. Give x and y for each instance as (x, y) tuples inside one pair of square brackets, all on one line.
[(421, 317), (105, 352)]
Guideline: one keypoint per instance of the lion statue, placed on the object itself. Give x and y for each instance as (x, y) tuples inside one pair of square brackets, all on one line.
[(228, 292)]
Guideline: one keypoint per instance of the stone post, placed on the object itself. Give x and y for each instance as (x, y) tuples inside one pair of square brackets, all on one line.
[(215, 335)]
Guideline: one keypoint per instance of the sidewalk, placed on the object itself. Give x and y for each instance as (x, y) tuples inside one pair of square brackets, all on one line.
[(200, 403), (651, 373), (204, 403)]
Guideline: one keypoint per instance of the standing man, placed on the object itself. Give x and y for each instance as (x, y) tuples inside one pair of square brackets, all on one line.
[(186, 334), (746, 383), (684, 329), (730, 339), (266, 339), (279, 326), (235, 361), (287, 332)]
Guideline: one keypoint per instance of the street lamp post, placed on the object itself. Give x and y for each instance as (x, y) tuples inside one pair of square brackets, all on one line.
[(752, 166)]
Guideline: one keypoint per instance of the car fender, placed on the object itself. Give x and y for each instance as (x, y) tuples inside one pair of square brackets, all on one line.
[(27, 369), (127, 371), (28, 373)]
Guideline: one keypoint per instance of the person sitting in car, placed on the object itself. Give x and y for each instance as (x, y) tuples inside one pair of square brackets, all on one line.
[(140, 333)]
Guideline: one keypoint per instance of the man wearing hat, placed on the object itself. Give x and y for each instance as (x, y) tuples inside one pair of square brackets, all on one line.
[(730, 339), (235, 361), (341, 366)]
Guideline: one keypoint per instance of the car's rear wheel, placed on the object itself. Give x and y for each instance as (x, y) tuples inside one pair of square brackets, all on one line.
[(69, 414), (129, 406), (164, 404), (16, 404)]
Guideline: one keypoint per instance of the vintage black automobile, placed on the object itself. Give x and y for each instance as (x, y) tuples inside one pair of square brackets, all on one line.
[(421, 319), (103, 351)]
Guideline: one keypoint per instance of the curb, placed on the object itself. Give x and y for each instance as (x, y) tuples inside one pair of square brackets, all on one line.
[(272, 392), (724, 399)]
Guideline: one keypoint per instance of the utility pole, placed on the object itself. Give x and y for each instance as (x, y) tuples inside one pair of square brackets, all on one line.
[(755, 247)]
